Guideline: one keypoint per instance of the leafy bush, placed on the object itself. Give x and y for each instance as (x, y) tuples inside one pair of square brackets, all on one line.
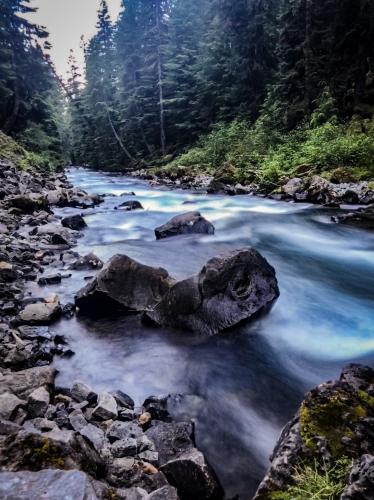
[(267, 156)]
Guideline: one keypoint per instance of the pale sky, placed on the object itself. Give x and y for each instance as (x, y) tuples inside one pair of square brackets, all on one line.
[(66, 21)]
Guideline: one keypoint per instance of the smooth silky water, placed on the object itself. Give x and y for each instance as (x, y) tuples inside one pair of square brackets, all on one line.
[(242, 386)]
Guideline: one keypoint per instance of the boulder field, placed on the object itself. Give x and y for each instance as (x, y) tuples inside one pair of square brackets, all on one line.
[(232, 287)]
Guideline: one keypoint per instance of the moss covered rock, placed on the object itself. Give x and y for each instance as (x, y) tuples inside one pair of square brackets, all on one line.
[(334, 425)]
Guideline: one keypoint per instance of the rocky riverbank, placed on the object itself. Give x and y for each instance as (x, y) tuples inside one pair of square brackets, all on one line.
[(70, 438), (303, 189)]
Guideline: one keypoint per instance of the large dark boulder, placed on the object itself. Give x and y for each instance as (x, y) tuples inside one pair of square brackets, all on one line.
[(75, 222), (230, 288), (190, 222), (124, 284)]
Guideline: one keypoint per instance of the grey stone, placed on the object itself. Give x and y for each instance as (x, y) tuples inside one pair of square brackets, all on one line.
[(41, 313), (82, 392), (106, 408), (75, 222), (94, 435), (165, 493), (123, 430), (124, 448), (361, 480), (24, 382), (192, 476), (149, 456), (46, 484), (77, 420), (38, 402), (9, 403)]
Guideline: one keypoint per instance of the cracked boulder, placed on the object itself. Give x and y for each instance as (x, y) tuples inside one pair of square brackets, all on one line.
[(124, 284), (232, 287)]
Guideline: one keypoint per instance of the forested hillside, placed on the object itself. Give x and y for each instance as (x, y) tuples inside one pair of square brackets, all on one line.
[(30, 99), (280, 83)]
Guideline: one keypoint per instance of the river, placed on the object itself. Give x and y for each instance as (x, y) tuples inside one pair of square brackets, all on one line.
[(243, 386)]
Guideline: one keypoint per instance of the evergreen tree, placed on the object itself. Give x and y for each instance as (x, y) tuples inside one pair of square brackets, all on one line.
[(29, 92)]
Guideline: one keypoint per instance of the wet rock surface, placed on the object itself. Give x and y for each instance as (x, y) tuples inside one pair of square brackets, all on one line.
[(188, 223), (334, 422), (230, 288), (124, 284)]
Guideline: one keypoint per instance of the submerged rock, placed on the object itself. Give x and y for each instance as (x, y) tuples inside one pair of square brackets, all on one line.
[(131, 205), (124, 284), (362, 218), (230, 288), (190, 222), (89, 261)]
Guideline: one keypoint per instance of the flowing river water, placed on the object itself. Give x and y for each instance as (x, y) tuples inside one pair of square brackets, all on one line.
[(243, 386)]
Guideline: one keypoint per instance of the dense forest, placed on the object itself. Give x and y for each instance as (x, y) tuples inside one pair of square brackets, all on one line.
[(259, 87)]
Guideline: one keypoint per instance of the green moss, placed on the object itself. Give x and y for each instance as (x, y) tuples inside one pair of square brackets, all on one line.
[(366, 398), (333, 418), (47, 454)]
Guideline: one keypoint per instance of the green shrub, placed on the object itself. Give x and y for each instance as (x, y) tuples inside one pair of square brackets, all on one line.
[(268, 156)]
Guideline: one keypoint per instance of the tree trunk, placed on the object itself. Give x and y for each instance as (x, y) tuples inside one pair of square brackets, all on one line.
[(160, 80), (308, 54)]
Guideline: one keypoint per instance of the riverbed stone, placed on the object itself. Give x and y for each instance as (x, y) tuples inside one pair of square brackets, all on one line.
[(38, 402), (106, 408), (188, 223), (94, 435), (123, 284), (46, 484), (167, 492), (123, 430), (9, 403), (7, 272), (75, 222), (123, 400), (82, 392), (131, 205), (124, 448), (41, 313), (192, 476), (232, 287), (89, 261), (24, 382)]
